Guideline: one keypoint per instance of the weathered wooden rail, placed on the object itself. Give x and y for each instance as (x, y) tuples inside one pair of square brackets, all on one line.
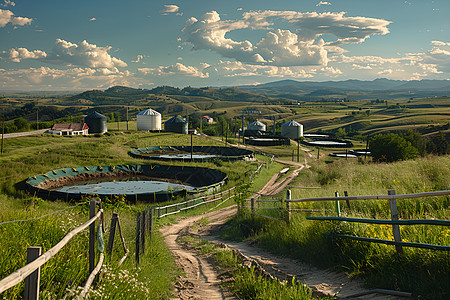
[(31, 271), (285, 212)]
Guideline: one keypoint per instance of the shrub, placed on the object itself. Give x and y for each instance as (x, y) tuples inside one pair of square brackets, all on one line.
[(391, 147)]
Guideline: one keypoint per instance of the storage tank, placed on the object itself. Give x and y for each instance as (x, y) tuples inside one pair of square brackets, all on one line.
[(257, 125), (292, 130), (96, 123), (177, 125), (148, 119)]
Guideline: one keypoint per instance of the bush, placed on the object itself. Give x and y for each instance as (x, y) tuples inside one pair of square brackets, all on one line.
[(391, 147)]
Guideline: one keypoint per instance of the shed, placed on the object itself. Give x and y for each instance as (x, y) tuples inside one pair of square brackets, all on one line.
[(148, 119), (96, 123), (292, 130), (177, 125)]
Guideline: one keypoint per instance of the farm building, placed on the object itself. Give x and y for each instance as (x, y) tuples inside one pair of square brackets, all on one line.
[(148, 119), (292, 130), (207, 120), (69, 129), (177, 125), (96, 123)]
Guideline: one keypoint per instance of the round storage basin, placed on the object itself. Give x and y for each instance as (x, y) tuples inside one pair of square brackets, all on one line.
[(199, 153), (136, 182)]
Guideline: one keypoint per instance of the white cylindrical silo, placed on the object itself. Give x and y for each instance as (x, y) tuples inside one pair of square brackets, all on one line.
[(292, 130), (148, 119), (257, 125)]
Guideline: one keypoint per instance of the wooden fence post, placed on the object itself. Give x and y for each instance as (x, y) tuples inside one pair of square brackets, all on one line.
[(288, 207), (394, 217), (252, 205), (138, 234), (112, 232), (92, 237), (347, 201), (143, 231), (33, 280), (150, 226), (338, 207)]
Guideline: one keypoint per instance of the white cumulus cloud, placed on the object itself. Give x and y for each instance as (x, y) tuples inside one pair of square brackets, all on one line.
[(323, 3), (300, 45), (16, 55), (7, 16), (7, 3), (71, 54), (177, 69), (170, 9)]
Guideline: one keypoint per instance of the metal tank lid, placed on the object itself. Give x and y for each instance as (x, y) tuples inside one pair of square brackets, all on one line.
[(175, 120), (292, 123), (95, 115), (148, 112), (257, 123)]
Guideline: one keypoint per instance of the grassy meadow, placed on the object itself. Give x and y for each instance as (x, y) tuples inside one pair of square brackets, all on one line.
[(425, 273), (62, 275)]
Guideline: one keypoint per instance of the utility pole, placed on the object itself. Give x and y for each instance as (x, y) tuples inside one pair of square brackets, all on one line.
[(37, 119), (192, 148), (127, 118), (298, 150), (3, 133)]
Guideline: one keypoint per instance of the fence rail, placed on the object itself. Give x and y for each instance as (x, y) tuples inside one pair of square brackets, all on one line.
[(20, 275), (374, 197), (394, 222)]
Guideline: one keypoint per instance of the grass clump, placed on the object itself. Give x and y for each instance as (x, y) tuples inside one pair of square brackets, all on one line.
[(245, 282)]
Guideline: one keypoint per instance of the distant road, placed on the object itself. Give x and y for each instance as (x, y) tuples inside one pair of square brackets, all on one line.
[(19, 134)]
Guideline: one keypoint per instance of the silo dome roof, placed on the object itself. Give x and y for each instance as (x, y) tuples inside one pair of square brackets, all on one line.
[(95, 115), (257, 123), (175, 120), (292, 123), (148, 112)]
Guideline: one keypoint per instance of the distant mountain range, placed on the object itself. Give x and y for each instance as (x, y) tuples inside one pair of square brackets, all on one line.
[(290, 90), (358, 89)]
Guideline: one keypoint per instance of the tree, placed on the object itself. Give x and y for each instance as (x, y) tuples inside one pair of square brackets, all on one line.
[(391, 147)]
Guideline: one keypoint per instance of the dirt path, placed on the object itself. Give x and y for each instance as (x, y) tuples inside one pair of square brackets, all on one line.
[(201, 280)]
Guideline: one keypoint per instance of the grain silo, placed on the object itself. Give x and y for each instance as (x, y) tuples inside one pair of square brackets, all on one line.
[(257, 125), (96, 123), (292, 130), (148, 119), (177, 125)]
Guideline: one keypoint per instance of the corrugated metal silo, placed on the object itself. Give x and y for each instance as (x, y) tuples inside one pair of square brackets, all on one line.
[(148, 119), (292, 130), (257, 125), (96, 123), (177, 125)]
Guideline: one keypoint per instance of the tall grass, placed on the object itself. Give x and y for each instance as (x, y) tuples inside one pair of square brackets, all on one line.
[(62, 275), (426, 273)]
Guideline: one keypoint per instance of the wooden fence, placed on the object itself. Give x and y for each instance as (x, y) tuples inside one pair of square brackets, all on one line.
[(31, 271), (145, 219), (285, 210)]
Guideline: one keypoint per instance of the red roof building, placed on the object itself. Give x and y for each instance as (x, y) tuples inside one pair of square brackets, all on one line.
[(69, 129)]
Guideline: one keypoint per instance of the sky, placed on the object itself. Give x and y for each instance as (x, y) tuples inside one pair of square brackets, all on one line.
[(54, 45)]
